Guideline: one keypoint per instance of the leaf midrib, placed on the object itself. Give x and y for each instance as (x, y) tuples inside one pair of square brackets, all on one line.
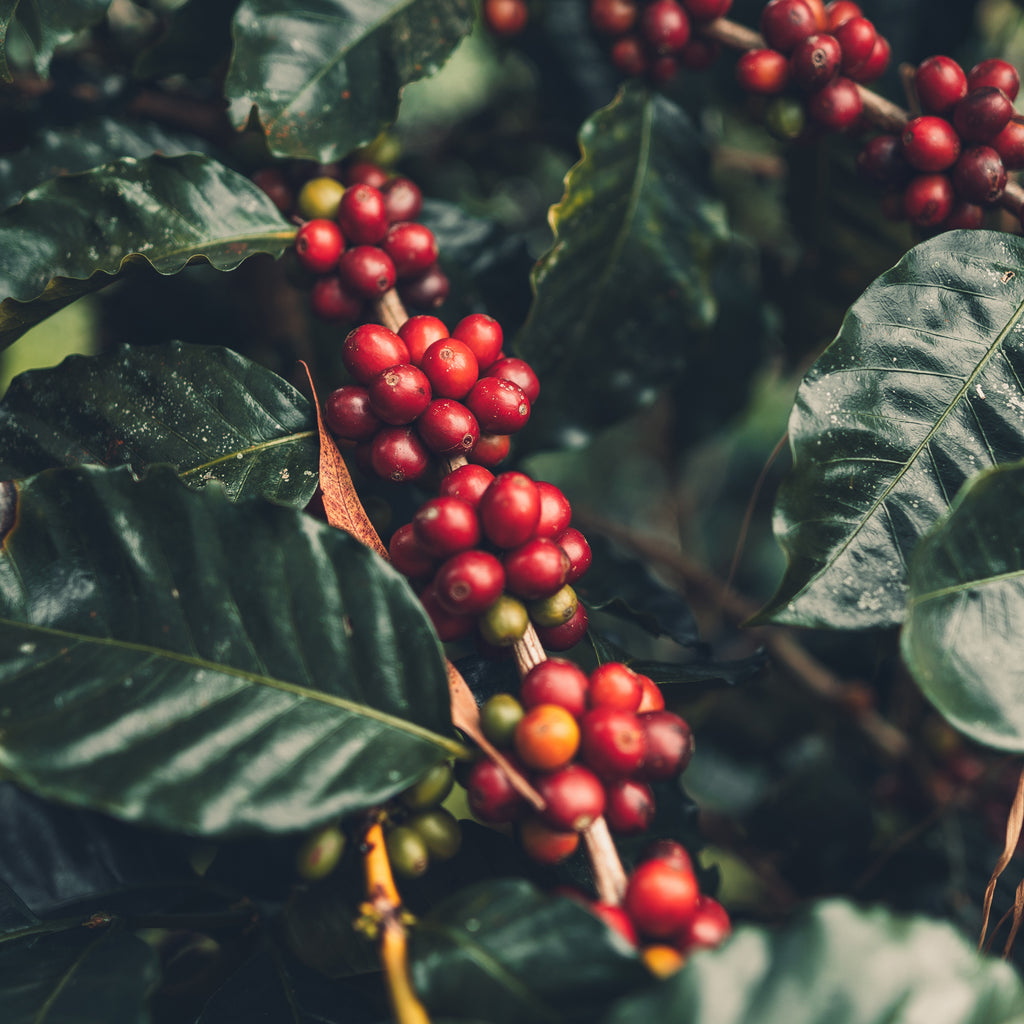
[(966, 586)]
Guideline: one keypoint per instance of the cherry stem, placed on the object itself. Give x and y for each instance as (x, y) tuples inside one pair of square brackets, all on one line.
[(390, 311)]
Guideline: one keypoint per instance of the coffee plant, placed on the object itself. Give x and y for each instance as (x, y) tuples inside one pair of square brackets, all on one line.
[(511, 512)]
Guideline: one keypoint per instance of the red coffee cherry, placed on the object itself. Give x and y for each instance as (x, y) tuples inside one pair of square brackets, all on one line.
[(447, 427), (555, 681), (661, 899), (615, 685), (930, 143), (1009, 144), (535, 569), (491, 795), (838, 12), (428, 291), (397, 454), (447, 625), (653, 699), (403, 199), (272, 180), (452, 370), (671, 852), (665, 26), (469, 582), (573, 796), (979, 175), (509, 509), (467, 482), (629, 806), (928, 199), (982, 114), (764, 72), (367, 270), (964, 215), (940, 84), (612, 17), (499, 405), (412, 248), (409, 556), (566, 635), (318, 245), (628, 56), (996, 73), (555, 511), (371, 348), (837, 105), (881, 160), (617, 918), (784, 23), (545, 844), (490, 449), (519, 372), (364, 172), (399, 394), (708, 928), (612, 742), (445, 526), (505, 18), (707, 10), (815, 61), (668, 745), (874, 65), (663, 68), (699, 53), (331, 300), (483, 335), (575, 545), (419, 333), (348, 413), (361, 214), (857, 38)]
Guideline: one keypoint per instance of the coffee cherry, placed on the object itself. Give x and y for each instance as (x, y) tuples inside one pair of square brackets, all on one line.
[(490, 449), (319, 198), (881, 160), (397, 454), (940, 84), (784, 23), (407, 852), (663, 68), (273, 182), (785, 117), (409, 556), (431, 790), (554, 610), (930, 143), (629, 806), (318, 245), (555, 511), (964, 215), (440, 831), (612, 17), (653, 699), (928, 199), (839, 12), (483, 336), (428, 291), (469, 582), (499, 405), (509, 509), (545, 844), (365, 172), (370, 349), (575, 545), (331, 300), (1009, 144), (660, 899), (448, 625), (362, 216), (874, 65), (837, 105), (612, 742), (499, 717), (445, 526), (419, 333), (547, 737), (320, 852), (708, 928), (412, 248), (665, 26), (857, 38), (615, 917), (490, 794), (628, 55), (995, 73), (448, 428), (982, 114), (504, 622), (451, 368), (615, 685), (467, 482), (399, 394), (671, 851), (555, 681), (820, 17), (403, 200), (348, 413), (668, 745), (707, 10), (764, 72), (505, 18), (815, 61), (536, 569), (699, 53), (367, 270), (519, 372), (568, 634), (573, 797), (979, 175)]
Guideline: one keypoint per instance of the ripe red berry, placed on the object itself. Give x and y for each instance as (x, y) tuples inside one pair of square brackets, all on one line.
[(874, 65), (490, 449), (555, 681), (547, 737), (545, 844), (857, 38), (361, 214), (397, 454), (567, 634), (409, 556), (500, 406), (999, 74), (535, 569), (467, 482), (615, 685), (505, 18), (399, 394), (668, 745), (840, 11), (700, 53), (930, 143), (707, 10), (447, 625), (665, 26), (555, 511), (928, 199), (419, 333), (670, 851), (764, 72), (469, 582), (483, 335), (982, 114), (881, 159), (629, 806), (708, 928), (661, 899), (784, 23), (575, 545), (445, 526), (815, 61), (940, 84), (367, 270), (837, 105), (428, 291), (519, 372), (412, 248), (403, 199), (348, 413), (1009, 144), (370, 348), (447, 427), (364, 172), (964, 215), (615, 917), (491, 795), (979, 175), (628, 56), (318, 245), (573, 797), (331, 300), (653, 699), (509, 509), (612, 742), (452, 370), (612, 17)]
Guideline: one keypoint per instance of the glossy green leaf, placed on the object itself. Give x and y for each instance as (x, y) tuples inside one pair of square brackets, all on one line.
[(71, 235), (520, 953), (208, 411), (920, 390), (79, 976), (49, 24), (965, 615), (326, 78), (627, 282), (197, 39), (173, 658), (836, 964)]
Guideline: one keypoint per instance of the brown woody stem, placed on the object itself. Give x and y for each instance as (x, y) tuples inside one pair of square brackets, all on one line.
[(390, 311)]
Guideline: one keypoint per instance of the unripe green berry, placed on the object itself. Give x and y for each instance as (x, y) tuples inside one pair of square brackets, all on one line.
[(440, 830), (407, 851), (556, 609), (320, 197), (319, 854), (504, 622), (499, 717), (430, 790)]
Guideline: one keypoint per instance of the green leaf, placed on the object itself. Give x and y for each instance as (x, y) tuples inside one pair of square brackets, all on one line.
[(836, 964), (208, 411), (197, 39), (78, 976), (326, 78), (49, 24), (523, 955), (71, 235), (7, 9), (628, 280), (920, 390), (965, 615), (175, 659)]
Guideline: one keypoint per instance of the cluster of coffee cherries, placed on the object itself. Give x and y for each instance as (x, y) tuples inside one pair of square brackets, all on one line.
[(424, 393), (359, 237), (951, 162), (493, 554), (815, 56), (653, 38), (418, 830)]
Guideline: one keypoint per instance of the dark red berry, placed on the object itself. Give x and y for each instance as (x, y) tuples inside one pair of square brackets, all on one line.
[(490, 449), (784, 23), (318, 245), (483, 335), (491, 795), (707, 10), (668, 744), (612, 742), (448, 428), (428, 291), (505, 17), (509, 509), (447, 625), (840, 11), (367, 270), (573, 797), (857, 38), (764, 72), (403, 199), (982, 114), (815, 61), (361, 214), (612, 17), (628, 56), (331, 300), (409, 556), (999, 74), (930, 143), (397, 454), (419, 333), (446, 525), (1009, 144), (273, 181), (881, 159), (467, 482), (575, 545), (363, 172), (979, 175), (567, 634), (399, 394), (837, 105), (536, 569), (940, 84), (700, 53), (555, 511), (348, 413), (614, 685), (670, 851), (371, 348), (452, 369), (629, 806), (500, 406), (519, 372), (928, 199), (555, 681), (873, 66), (660, 899), (615, 917), (964, 215), (412, 248), (469, 582), (665, 26)]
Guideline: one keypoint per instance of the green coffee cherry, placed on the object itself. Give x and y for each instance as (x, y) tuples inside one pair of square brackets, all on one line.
[(555, 610), (440, 830), (407, 851), (319, 854), (430, 790), (499, 717)]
